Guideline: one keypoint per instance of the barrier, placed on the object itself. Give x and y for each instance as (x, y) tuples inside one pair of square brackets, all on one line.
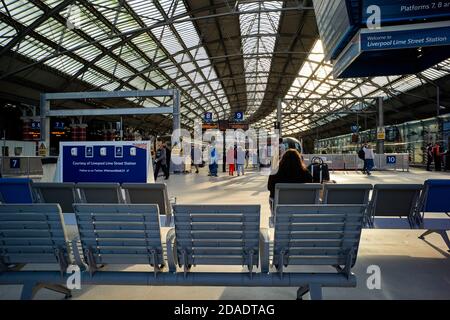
[(387, 161), (21, 166)]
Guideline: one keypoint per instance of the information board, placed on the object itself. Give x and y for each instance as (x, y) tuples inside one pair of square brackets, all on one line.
[(115, 161)]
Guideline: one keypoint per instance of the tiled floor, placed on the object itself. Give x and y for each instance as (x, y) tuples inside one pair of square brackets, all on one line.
[(410, 268)]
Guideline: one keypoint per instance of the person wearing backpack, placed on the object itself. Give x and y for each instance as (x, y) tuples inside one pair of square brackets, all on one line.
[(362, 156), (369, 157)]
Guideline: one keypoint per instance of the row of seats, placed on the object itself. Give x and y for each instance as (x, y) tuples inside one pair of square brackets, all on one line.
[(221, 235), (389, 206), (22, 191)]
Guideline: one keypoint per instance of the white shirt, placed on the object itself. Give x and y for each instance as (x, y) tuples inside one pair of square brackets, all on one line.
[(368, 153)]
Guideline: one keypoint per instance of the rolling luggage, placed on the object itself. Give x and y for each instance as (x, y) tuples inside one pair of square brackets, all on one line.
[(319, 170)]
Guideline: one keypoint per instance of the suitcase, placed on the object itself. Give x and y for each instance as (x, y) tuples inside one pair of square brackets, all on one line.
[(319, 170)]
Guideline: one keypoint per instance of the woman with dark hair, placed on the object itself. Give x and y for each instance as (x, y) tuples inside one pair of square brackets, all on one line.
[(292, 169)]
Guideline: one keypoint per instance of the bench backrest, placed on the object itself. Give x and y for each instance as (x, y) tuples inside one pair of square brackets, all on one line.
[(395, 200), (346, 193), (148, 193), (32, 233), (436, 196), (119, 234), (100, 192), (217, 234), (297, 193), (16, 190), (64, 194), (317, 234)]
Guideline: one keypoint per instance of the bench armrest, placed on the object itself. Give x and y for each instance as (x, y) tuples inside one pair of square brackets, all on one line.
[(264, 250), (170, 243), (76, 253)]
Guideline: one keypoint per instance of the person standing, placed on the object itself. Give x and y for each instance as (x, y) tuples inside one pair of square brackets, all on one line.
[(161, 162), (437, 157), (240, 160), (429, 154), (230, 161), (212, 161), (362, 156), (369, 157), (168, 160), (194, 161)]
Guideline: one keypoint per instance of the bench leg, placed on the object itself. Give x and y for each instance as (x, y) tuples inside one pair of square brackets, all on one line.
[(315, 291), (301, 292), (426, 233), (58, 288), (28, 291), (444, 236)]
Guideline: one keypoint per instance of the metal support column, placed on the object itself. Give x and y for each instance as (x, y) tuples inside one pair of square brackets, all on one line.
[(45, 122), (438, 101), (380, 142), (176, 110), (279, 118)]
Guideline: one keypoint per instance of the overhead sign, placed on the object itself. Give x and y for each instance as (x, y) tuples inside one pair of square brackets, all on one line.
[(115, 161), (406, 10), (403, 39), (355, 128), (208, 116), (238, 116)]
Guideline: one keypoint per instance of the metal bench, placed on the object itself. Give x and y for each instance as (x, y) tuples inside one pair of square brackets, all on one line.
[(150, 193), (118, 234), (16, 190), (346, 193), (318, 235), (435, 198), (64, 194), (393, 206), (100, 192), (32, 234)]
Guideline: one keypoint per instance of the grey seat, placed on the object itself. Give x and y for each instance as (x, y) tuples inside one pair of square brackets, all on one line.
[(294, 193), (149, 193), (119, 234), (346, 193), (318, 235), (64, 194), (33, 234), (100, 192), (393, 206), (214, 235)]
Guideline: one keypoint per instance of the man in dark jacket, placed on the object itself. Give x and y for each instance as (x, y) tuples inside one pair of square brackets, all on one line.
[(161, 162), (429, 154)]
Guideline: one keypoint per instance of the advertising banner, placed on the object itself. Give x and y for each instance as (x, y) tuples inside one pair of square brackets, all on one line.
[(103, 161)]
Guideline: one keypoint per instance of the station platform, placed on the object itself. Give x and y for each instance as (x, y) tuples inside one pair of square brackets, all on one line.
[(410, 268)]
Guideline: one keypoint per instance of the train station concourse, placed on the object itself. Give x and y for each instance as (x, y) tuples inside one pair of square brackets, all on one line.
[(224, 150)]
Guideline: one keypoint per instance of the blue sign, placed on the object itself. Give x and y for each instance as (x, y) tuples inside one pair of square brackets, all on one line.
[(403, 39), (36, 125), (59, 125), (14, 163), (105, 162), (238, 116), (208, 116), (391, 159), (407, 10), (355, 128)]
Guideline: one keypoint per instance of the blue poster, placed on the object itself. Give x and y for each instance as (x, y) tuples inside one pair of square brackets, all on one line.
[(402, 39), (105, 162), (407, 10), (238, 116)]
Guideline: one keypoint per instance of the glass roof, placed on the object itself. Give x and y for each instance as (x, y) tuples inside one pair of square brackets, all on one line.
[(144, 45), (315, 81)]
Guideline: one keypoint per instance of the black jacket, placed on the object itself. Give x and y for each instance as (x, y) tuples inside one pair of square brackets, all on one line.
[(274, 179)]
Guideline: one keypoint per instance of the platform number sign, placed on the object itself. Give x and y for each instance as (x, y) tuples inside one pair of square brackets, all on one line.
[(14, 163), (238, 116), (208, 116), (391, 159)]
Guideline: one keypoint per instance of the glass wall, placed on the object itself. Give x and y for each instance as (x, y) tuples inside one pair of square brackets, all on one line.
[(409, 137)]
